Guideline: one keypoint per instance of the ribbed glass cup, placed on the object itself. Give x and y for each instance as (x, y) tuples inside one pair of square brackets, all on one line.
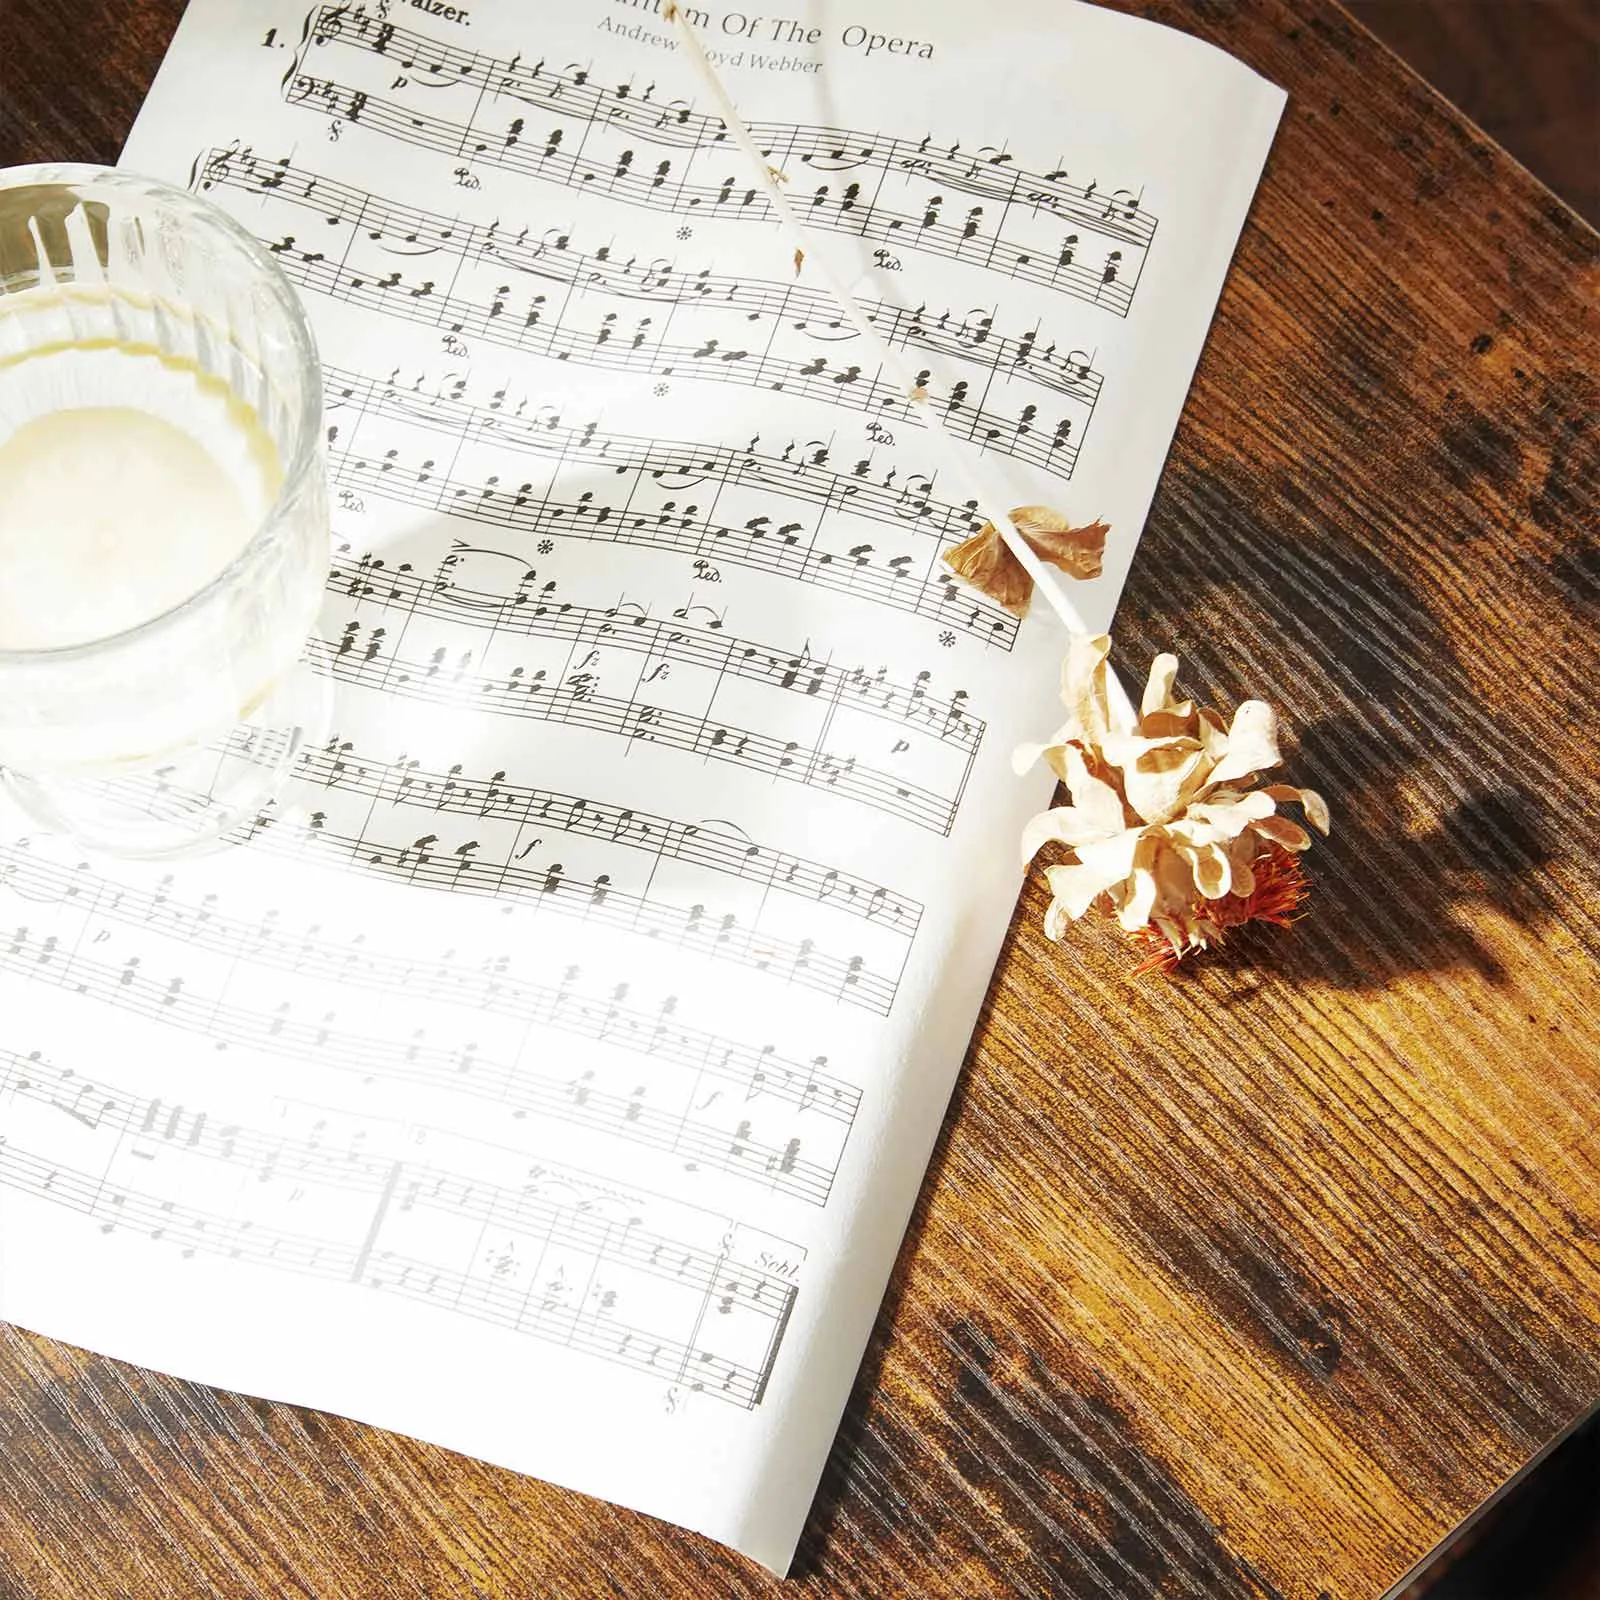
[(183, 724)]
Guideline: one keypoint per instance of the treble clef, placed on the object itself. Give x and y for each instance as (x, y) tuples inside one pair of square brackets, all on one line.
[(215, 166), (330, 24)]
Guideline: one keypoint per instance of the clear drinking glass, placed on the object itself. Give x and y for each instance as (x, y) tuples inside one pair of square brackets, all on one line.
[(162, 494)]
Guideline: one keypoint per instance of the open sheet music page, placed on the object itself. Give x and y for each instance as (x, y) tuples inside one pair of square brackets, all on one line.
[(551, 1074)]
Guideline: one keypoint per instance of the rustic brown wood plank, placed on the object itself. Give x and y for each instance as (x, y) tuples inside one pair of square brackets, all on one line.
[(1528, 75), (1247, 1284)]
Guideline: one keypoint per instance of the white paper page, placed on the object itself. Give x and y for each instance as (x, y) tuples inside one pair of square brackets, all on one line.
[(558, 1064)]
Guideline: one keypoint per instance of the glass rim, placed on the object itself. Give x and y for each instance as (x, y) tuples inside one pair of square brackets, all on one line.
[(308, 417)]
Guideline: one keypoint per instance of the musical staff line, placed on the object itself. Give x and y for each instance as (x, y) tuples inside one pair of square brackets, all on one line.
[(920, 585), (196, 1133), (754, 1071), (640, 1350), (538, 697), (539, 614), (799, 471), (1023, 437), (210, 1232), (858, 163), (414, 235), (460, 869), (718, 846), (680, 1131), (608, 1233)]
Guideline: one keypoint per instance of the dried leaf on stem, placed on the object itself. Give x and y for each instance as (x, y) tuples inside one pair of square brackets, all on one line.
[(990, 565)]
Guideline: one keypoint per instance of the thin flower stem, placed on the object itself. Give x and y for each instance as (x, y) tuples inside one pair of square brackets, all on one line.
[(963, 458)]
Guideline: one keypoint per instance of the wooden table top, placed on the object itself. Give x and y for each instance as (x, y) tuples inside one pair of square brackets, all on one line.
[(1251, 1283)]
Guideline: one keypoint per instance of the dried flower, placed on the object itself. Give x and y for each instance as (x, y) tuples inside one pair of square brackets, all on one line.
[(988, 564), (1166, 829)]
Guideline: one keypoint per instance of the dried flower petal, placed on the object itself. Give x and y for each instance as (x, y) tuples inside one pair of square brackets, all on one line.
[(1280, 830), (1133, 899), (1316, 808), (1060, 824), (1230, 818), (1210, 867), (1244, 878), (987, 563), (1158, 690), (1157, 774), (1091, 793), (1100, 864), (1085, 693), (1252, 742)]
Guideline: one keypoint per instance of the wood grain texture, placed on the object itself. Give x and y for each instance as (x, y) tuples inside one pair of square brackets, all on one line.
[(1244, 1286), (1527, 73)]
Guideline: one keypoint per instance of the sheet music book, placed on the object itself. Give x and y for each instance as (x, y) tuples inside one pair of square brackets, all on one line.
[(551, 1074)]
